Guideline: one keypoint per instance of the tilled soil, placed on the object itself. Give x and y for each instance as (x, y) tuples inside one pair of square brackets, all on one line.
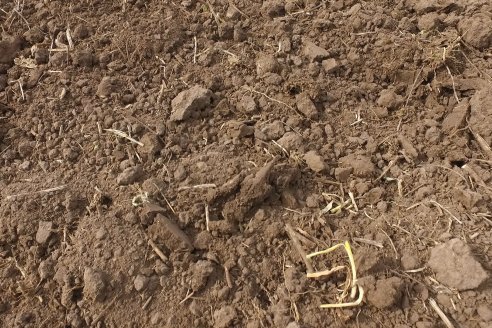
[(170, 164)]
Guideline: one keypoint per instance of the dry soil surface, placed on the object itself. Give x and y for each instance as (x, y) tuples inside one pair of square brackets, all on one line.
[(171, 163)]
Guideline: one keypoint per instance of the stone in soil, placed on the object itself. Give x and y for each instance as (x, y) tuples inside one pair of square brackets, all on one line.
[(388, 292), (315, 162), (190, 103), (95, 284), (224, 317), (130, 175), (45, 229), (455, 266), (167, 232)]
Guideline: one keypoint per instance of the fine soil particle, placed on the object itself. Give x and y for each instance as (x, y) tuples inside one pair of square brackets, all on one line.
[(153, 153)]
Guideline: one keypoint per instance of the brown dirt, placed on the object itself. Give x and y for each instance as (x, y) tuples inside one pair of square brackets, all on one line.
[(240, 117)]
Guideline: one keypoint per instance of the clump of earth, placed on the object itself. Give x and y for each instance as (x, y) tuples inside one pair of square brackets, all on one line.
[(170, 164)]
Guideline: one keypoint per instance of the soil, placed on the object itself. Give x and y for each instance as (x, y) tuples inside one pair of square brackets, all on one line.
[(170, 164)]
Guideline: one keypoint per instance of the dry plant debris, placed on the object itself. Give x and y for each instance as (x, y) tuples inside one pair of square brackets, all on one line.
[(351, 281)]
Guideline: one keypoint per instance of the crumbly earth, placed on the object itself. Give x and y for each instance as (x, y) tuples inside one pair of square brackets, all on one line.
[(152, 154)]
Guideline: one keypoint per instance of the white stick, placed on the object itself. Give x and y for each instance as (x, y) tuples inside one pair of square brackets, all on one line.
[(194, 50), (441, 314), (207, 217)]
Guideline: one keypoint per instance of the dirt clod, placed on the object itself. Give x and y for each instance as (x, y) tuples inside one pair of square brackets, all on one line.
[(140, 282), (455, 266), (387, 293), (130, 175), (314, 52), (389, 99), (107, 86), (166, 231), (306, 106), (95, 284), (456, 119), (273, 8), (409, 262), (467, 198), (46, 269), (290, 141), (9, 49), (361, 165), (481, 114), (164, 146), (254, 189), (190, 102), (315, 161), (201, 271), (477, 30), (266, 64), (485, 312), (247, 104), (45, 229), (224, 317), (331, 65)]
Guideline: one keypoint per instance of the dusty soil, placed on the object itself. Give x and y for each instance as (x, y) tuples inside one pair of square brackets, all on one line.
[(167, 164)]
